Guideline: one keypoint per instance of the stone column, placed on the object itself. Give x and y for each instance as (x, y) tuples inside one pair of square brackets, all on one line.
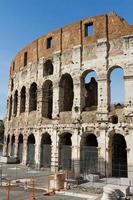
[(102, 153), (128, 80), (102, 56), (54, 151), (24, 159), (16, 146), (76, 65), (18, 105), (55, 113), (76, 153), (103, 99), (27, 102), (37, 150), (39, 102), (56, 64), (5, 148), (129, 149)]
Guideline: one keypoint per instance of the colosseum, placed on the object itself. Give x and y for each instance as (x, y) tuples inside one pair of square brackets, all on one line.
[(56, 118)]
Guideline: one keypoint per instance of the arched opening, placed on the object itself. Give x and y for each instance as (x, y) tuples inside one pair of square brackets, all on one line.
[(12, 84), (46, 150), (114, 119), (20, 148), (66, 93), (118, 156), (48, 68), (33, 97), (12, 145), (8, 145), (10, 108), (31, 150), (22, 99), (47, 99), (116, 87), (15, 103), (89, 154), (65, 151), (89, 90)]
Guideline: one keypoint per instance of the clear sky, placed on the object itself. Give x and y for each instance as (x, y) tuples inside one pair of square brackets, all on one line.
[(22, 21)]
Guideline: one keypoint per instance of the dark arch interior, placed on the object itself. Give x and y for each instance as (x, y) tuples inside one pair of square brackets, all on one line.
[(23, 100), (13, 139), (65, 139), (114, 119), (8, 139), (20, 139), (119, 156), (31, 139), (90, 90), (31, 150), (20, 148), (89, 154), (33, 97), (47, 99), (12, 84), (46, 139), (65, 151), (48, 68), (46, 150), (15, 102), (10, 108), (89, 140), (66, 93), (12, 145)]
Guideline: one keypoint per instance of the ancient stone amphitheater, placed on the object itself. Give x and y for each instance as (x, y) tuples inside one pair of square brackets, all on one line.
[(55, 118)]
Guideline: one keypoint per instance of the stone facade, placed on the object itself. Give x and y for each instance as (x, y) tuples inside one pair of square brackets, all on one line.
[(48, 123)]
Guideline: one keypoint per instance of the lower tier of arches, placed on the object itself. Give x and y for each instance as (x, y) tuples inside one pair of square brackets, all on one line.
[(104, 152)]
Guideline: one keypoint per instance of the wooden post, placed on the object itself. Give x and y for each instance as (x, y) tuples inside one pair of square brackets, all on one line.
[(33, 190), (8, 190)]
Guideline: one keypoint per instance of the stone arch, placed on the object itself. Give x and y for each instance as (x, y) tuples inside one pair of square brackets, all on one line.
[(10, 107), (15, 103), (33, 97), (89, 153), (65, 151), (8, 145), (20, 147), (12, 145), (31, 150), (66, 93), (89, 87), (116, 92), (48, 68), (47, 99), (118, 155), (22, 99), (46, 150)]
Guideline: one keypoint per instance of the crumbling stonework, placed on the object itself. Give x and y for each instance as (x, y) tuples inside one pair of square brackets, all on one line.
[(51, 122)]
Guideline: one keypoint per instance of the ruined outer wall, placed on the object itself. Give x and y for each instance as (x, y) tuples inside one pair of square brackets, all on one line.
[(105, 26), (110, 46)]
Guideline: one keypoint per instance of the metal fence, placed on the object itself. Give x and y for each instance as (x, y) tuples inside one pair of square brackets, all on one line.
[(22, 177)]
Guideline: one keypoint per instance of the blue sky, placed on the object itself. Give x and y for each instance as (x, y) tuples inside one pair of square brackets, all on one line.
[(22, 21)]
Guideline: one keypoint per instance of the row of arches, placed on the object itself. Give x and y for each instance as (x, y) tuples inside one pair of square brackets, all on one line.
[(89, 158), (89, 96)]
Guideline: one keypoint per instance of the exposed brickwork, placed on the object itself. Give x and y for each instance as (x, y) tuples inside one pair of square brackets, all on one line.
[(105, 26)]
